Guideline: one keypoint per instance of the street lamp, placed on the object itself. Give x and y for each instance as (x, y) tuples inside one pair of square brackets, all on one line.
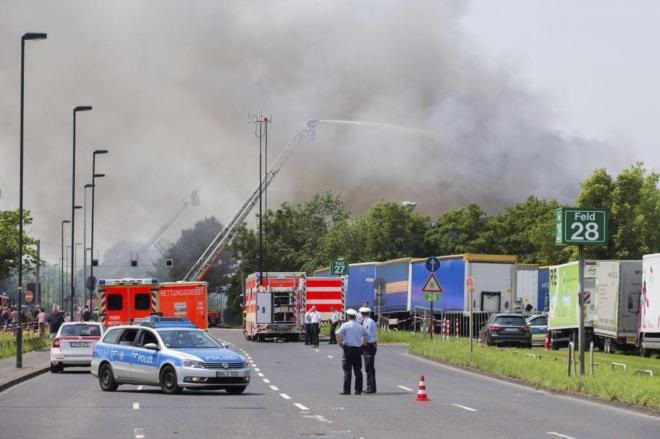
[(94, 177), (73, 258), (62, 261), (19, 331), (73, 197), (87, 186)]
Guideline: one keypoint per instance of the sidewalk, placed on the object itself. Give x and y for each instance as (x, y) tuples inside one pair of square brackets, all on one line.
[(34, 363)]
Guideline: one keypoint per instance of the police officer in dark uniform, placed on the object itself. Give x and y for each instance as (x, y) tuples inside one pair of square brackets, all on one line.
[(369, 350), (351, 336)]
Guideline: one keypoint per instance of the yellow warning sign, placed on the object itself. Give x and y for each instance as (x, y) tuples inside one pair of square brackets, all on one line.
[(432, 285)]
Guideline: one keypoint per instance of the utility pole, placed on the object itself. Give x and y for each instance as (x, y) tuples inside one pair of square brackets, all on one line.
[(37, 287), (260, 131)]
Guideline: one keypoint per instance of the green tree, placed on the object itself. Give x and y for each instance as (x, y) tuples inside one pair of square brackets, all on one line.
[(458, 231), (9, 222), (633, 201), (526, 230)]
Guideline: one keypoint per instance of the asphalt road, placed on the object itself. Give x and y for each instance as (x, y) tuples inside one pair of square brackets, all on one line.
[(295, 394)]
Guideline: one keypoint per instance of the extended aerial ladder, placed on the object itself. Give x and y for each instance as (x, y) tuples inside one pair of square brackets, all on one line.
[(210, 256), (189, 200)]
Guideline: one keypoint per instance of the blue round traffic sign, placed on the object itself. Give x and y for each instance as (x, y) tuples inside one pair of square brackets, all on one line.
[(432, 264)]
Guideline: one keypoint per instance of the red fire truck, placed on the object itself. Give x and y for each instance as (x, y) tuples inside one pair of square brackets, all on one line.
[(275, 307), (185, 299)]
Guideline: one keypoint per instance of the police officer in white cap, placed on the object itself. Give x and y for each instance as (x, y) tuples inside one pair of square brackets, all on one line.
[(369, 350), (351, 336)]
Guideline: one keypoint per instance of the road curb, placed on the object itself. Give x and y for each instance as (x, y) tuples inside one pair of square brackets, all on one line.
[(23, 378)]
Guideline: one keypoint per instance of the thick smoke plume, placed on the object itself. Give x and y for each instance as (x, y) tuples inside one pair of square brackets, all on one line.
[(172, 83)]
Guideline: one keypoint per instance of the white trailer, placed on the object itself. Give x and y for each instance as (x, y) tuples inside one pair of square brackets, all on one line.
[(618, 286), (649, 309), (527, 288)]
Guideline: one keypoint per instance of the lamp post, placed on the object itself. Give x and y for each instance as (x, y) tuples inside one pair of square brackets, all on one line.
[(73, 199), (87, 186), (62, 262), (94, 177), (19, 331)]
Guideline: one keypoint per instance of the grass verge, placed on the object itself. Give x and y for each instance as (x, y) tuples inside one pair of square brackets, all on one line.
[(31, 342), (547, 370)]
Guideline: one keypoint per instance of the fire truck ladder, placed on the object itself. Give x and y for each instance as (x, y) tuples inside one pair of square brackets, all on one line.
[(210, 256)]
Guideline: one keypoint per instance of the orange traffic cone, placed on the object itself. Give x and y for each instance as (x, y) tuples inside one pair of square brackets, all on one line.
[(421, 391), (546, 346)]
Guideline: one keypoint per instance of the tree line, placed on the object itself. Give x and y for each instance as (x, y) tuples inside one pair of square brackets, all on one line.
[(306, 236)]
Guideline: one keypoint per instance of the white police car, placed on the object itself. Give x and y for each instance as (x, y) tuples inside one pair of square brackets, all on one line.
[(167, 352)]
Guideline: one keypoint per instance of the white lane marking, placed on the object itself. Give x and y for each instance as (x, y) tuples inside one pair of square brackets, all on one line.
[(552, 433), (140, 387), (330, 356), (285, 396), (317, 350), (266, 380), (136, 406), (321, 418), (405, 388), (256, 369), (139, 433), (337, 408), (274, 388), (464, 407), (261, 374), (300, 406)]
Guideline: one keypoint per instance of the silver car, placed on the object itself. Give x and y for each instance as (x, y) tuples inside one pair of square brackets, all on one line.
[(172, 355), (73, 344)]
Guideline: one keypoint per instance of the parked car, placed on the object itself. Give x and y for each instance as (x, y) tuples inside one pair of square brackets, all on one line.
[(73, 344), (538, 324), (507, 329)]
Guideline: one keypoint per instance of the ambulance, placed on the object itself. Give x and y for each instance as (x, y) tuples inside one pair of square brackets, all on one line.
[(185, 299), (123, 301)]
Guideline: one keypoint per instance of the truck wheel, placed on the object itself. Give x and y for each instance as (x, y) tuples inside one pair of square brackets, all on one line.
[(168, 381), (235, 390), (107, 378)]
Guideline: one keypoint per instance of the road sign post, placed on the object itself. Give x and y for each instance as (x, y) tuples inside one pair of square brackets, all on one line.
[(574, 226), (469, 285), (432, 290), (339, 267)]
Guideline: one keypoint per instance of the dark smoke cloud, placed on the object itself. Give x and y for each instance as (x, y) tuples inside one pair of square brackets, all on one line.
[(172, 83)]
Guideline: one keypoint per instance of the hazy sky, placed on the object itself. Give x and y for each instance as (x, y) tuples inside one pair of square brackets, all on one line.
[(510, 98)]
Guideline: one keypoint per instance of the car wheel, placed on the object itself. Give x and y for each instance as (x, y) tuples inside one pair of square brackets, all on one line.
[(168, 381), (235, 390), (55, 368), (489, 341), (644, 352), (107, 378)]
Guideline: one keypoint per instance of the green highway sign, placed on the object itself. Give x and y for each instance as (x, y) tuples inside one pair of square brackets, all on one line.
[(575, 226), (431, 297), (339, 268)]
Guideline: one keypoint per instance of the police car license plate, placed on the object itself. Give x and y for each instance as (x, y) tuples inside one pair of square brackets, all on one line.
[(79, 344), (511, 329), (226, 373)]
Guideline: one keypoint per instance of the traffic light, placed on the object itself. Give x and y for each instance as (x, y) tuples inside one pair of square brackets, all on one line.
[(169, 263), (133, 262)]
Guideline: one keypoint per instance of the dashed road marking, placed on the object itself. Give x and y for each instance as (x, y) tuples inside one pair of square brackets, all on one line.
[(261, 374), (405, 388), (553, 433), (140, 387), (300, 406), (266, 380), (464, 407), (256, 369), (275, 388), (317, 350), (320, 418), (136, 406), (330, 356), (139, 433), (285, 396)]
